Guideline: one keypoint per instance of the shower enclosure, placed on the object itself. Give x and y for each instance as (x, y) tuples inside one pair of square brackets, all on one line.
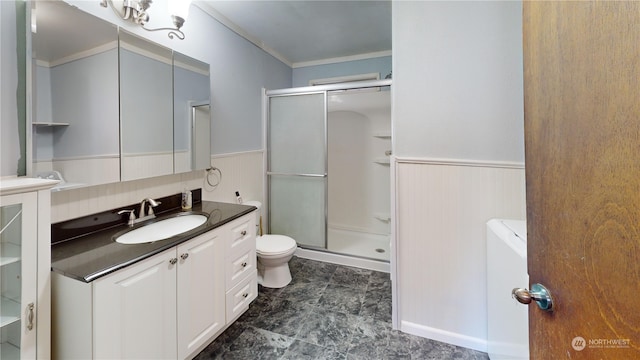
[(327, 167)]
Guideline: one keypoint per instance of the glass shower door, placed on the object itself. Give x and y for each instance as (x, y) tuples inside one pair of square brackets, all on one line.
[(297, 167)]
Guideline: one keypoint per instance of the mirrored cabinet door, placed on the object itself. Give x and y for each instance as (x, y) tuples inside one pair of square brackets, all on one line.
[(146, 108), (111, 106), (191, 114), (18, 249), (75, 89)]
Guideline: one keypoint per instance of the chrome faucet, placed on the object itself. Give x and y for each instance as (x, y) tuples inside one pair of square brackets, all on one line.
[(132, 216), (150, 214), (141, 214)]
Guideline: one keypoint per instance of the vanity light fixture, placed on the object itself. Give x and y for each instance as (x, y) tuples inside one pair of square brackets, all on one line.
[(136, 11)]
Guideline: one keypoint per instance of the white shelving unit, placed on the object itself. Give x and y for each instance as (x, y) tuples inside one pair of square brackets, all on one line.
[(25, 264)]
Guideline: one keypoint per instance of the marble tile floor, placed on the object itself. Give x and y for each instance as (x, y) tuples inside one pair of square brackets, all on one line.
[(328, 311)]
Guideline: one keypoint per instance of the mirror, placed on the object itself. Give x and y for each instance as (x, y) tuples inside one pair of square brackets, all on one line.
[(75, 96), (146, 108), (191, 114), (104, 103)]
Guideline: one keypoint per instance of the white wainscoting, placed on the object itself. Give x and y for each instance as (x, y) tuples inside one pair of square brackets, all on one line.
[(440, 243), (95, 170), (140, 166), (73, 203), (84, 170), (182, 160), (241, 172)]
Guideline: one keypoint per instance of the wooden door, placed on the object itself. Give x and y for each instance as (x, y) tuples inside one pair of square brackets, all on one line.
[(582, 124)]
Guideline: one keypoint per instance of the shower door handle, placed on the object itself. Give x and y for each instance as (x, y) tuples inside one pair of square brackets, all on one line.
[(294, 174)]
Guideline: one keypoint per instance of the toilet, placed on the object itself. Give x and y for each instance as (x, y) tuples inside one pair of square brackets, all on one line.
[(274, 253)]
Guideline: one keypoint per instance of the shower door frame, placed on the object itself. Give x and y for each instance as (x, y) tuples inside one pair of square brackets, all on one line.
[(308, 90)]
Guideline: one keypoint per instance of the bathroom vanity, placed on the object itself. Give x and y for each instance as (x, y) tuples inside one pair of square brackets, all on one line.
[(166, 299)]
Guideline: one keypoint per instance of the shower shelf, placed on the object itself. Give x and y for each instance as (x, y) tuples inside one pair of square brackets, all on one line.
[(385, 217), (382, 135), (49, 124), (382, 161)]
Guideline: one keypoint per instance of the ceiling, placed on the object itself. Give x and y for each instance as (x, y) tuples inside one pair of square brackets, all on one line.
[(303, 31)]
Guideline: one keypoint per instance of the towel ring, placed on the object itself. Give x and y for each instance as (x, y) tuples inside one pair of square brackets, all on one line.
[(212, 170)]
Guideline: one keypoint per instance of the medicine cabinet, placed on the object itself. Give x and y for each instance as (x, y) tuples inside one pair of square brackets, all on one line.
[(110, 106)]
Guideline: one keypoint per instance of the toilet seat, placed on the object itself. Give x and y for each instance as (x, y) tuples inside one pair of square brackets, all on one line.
[(274, 244)]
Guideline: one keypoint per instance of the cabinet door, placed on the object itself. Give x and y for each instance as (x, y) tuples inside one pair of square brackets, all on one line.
[(18, 265), (135, 311), (201, 292)]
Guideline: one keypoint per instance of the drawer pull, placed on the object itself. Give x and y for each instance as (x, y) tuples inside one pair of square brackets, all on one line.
[(184, 256), (244, 264), (243, 232), (245, 295)]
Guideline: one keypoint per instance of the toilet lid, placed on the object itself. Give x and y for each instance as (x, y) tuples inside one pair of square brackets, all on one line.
[(274, 244)]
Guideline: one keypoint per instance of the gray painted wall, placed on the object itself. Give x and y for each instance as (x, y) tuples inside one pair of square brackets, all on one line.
[(459, 95), (9, 138)]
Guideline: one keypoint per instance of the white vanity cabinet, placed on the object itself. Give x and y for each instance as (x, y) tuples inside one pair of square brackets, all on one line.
[(241, 271), (140, 311), (169, 306), (134, 311), (24, 268), (200, 292)]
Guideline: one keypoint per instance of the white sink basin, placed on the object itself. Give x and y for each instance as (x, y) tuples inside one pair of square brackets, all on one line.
[(162, 229)]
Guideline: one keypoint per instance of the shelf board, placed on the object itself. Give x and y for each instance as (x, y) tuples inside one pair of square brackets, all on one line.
[(9, 254), (9, 351), (382, 135), (383, 161), (386, 217), (9, 311), (49, 124)]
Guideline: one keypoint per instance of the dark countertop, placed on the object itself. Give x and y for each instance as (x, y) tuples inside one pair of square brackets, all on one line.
[(88, 257)]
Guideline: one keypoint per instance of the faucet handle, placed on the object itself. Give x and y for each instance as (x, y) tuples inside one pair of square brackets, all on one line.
[(132, 215), (152, 205)]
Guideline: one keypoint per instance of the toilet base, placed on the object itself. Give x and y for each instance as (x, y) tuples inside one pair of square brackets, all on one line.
[(274, 277)]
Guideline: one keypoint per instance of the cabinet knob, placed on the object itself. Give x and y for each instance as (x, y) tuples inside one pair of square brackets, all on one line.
[(173, 261), (243, 232), (244, 264), (184, 256), (245, 295)]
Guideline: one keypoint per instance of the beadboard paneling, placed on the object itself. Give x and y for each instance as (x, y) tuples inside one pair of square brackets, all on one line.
[(441, 244), (241, 172), (70, 204)]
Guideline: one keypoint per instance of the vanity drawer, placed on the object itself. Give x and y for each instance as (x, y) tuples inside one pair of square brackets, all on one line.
[(241, 266), (243, 234), (239, 298)]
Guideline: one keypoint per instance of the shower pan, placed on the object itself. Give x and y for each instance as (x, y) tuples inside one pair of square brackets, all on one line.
[(327, 167)]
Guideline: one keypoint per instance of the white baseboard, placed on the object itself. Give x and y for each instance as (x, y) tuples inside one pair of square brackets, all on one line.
[(444, 336), (343, 260)]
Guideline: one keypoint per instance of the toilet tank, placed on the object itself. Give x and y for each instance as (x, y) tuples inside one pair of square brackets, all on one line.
[(258, 213), (507, 320)]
